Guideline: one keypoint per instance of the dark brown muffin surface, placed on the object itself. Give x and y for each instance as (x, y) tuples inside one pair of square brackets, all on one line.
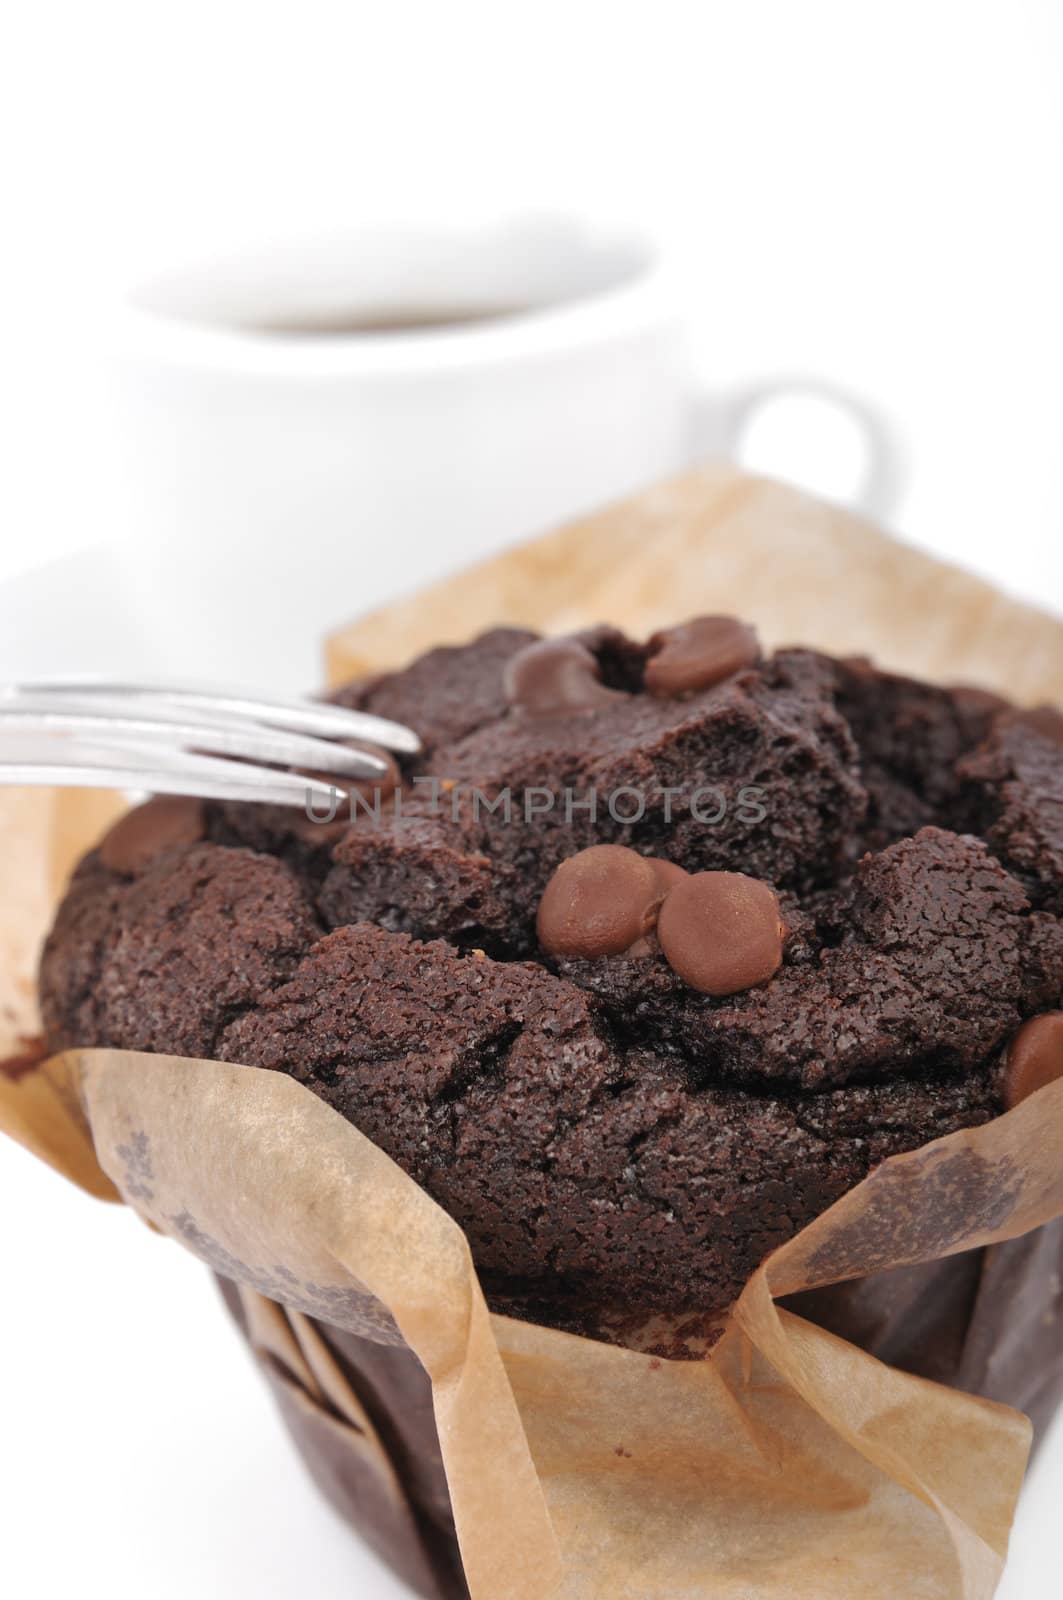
[(606, 1133)]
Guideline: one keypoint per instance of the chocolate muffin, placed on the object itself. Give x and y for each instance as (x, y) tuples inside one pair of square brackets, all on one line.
[(652, 954)]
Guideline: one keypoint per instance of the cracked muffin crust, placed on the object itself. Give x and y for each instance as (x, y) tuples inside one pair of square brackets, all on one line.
[(605, 1133)]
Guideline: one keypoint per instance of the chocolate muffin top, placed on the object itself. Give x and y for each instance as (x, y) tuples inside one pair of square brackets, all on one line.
[(654, 952)]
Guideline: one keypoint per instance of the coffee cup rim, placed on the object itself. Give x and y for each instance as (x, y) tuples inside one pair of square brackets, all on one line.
[(636, 295)]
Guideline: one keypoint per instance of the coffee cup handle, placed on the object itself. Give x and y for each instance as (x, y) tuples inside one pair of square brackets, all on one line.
[(821, 432)]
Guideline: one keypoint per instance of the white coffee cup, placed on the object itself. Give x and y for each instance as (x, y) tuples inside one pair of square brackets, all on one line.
[(311, 428)]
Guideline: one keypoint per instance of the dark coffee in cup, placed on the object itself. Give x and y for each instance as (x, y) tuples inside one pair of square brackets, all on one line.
[(385, 320)]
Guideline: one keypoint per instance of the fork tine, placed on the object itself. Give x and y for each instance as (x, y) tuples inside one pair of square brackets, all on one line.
[(297, 715), (72, 763), (107, 720)]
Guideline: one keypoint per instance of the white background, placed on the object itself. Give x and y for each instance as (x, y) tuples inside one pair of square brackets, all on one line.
[(866, 191), (870, 192)]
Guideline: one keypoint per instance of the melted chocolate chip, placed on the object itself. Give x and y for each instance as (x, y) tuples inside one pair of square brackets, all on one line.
[(699, 653), (600, 902), (142, 834), (721, 932), (1035, 1057), (553, 676)]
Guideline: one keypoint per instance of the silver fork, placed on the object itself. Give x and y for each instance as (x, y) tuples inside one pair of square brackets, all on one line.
[(219, 743)]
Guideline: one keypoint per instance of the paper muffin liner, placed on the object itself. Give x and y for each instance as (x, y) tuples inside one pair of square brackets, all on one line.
[(360, 1414), (789, 1462), (985, 1321)]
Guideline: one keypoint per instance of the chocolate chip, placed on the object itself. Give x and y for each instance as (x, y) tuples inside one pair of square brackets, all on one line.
[(558, 675), (721, 932), (667, 873), (699, 653), (600, 902), (161, 824), (1034, 1058)]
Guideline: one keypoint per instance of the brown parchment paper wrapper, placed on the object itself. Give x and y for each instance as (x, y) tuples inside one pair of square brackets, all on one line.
[(790, 1463)]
